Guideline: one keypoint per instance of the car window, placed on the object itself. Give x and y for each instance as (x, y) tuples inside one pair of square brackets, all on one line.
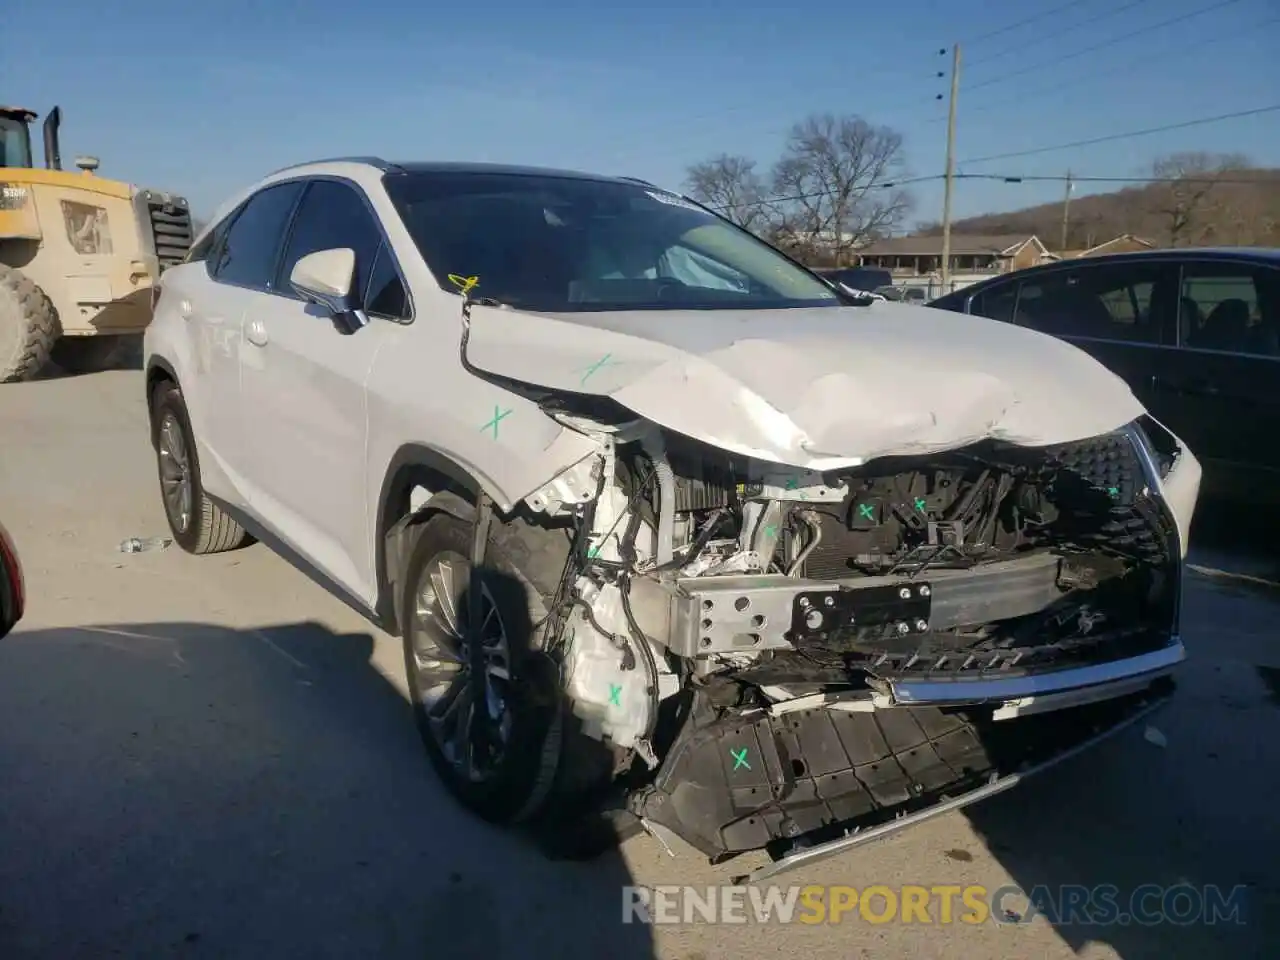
[(212, 240), (560, 243), (332, 214), (248, 256), (1226, 306), (996, 302), (385, 294), (1103, 301)]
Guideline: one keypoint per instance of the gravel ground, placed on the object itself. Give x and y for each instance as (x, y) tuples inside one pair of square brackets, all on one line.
[(213, 757)]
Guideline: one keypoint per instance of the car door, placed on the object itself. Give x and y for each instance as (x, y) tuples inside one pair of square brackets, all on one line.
[(304, 381), (239, 266), (1113, 310), (1221, 385)]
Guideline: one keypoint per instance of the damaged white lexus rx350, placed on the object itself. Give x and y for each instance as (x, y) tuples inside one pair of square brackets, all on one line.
[(670, 528)]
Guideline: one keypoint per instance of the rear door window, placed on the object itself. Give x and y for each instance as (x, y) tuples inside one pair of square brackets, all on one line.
[(996, 302), (1102, 301), (248, 255), (1229, 307)]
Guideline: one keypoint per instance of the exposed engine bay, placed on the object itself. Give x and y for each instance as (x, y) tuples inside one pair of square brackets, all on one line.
[(708, 596)]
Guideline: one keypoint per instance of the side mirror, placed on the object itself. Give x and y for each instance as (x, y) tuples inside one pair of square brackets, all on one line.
[(324, 278)]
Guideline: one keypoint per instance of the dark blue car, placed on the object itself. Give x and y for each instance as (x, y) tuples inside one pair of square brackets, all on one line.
[(1195, 333)]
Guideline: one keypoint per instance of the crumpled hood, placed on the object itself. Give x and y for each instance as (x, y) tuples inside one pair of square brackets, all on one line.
[(814, 388)]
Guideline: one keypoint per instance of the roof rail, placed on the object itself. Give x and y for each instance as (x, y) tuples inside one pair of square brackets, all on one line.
[(639, 181), (377, 162)]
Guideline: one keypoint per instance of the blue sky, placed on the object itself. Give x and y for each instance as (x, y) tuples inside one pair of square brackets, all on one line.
[(202, 98)]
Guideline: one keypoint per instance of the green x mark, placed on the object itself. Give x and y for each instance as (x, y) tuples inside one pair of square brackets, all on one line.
[(739, 758), (920, 504), (594, 367), (865, 510), (498, 416), (615, 695), (771, 530), (1114, 491)]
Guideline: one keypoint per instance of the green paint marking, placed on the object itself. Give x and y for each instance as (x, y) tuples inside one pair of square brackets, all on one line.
[(865, 510), (920, 504), (594, 367), (771, 530), (793, 483), (593, 552), (739, 758), (615, 695), (498, 416), (1114, 491)]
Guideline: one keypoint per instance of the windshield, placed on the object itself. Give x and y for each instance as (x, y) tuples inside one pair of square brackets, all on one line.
[(558, 243), (15, 143)]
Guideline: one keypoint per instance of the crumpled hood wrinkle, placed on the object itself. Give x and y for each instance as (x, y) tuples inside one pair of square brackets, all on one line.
[(815, 388)]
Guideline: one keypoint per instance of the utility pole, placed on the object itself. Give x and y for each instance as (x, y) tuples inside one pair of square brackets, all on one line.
[(951, 164), (1066, 212)]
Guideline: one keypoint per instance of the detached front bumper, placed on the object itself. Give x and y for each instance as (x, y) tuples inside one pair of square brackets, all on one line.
[(1137, 709), (807, 782)]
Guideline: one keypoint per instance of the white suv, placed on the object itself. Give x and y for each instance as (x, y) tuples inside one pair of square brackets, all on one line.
[(668, 525)]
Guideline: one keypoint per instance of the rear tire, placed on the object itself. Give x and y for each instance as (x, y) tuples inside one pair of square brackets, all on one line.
[(28, 327), (99, 352), (198, 524)]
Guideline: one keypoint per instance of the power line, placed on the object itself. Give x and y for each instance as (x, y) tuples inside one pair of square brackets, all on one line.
[(1057, 35), (1003, 178), (1144, 31), (880, 74), (1035, 18), (1200, 121), (1126, 67)]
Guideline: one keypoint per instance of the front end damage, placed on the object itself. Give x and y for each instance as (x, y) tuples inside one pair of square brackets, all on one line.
[(794, 657), (796, 650)]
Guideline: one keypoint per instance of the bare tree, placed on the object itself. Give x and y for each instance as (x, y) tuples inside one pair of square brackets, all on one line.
[(731, 185), (1185, 200), (830, 175)]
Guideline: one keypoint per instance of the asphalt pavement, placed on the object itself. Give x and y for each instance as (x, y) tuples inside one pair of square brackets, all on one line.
[(213, 757)]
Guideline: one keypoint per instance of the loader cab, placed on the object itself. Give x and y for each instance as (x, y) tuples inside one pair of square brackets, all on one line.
[(15, 137)]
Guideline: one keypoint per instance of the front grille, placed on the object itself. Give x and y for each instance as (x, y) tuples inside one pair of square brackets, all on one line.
[(165, 222), (1107, 463)]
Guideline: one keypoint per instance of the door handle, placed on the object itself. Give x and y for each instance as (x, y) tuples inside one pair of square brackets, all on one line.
[(1204, 388), (255, 332)]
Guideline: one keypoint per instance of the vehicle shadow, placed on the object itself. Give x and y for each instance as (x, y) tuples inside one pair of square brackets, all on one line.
[(184, 789), (1189, 802)]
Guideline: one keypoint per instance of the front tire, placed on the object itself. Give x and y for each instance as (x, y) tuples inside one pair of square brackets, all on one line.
[(499, 758), (28, 327), (198, 524)]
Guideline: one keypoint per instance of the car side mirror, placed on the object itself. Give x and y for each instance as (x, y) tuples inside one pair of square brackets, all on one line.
[(324, 278)]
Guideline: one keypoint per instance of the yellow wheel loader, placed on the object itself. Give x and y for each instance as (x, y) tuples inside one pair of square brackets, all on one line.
[(79, 255)]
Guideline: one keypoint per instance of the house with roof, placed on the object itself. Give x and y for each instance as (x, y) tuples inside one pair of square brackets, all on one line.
[(1125, 243), (981, 254)]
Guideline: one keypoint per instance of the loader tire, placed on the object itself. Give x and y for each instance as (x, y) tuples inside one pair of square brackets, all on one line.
[(28, 327)]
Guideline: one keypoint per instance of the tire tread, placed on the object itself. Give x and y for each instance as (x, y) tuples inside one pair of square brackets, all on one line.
[(39, 327)]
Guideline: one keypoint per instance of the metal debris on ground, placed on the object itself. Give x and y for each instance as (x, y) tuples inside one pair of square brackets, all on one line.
[(138, 545)]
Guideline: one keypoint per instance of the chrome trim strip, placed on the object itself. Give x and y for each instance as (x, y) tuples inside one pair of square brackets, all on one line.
[(835, 847), (914, 692)]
